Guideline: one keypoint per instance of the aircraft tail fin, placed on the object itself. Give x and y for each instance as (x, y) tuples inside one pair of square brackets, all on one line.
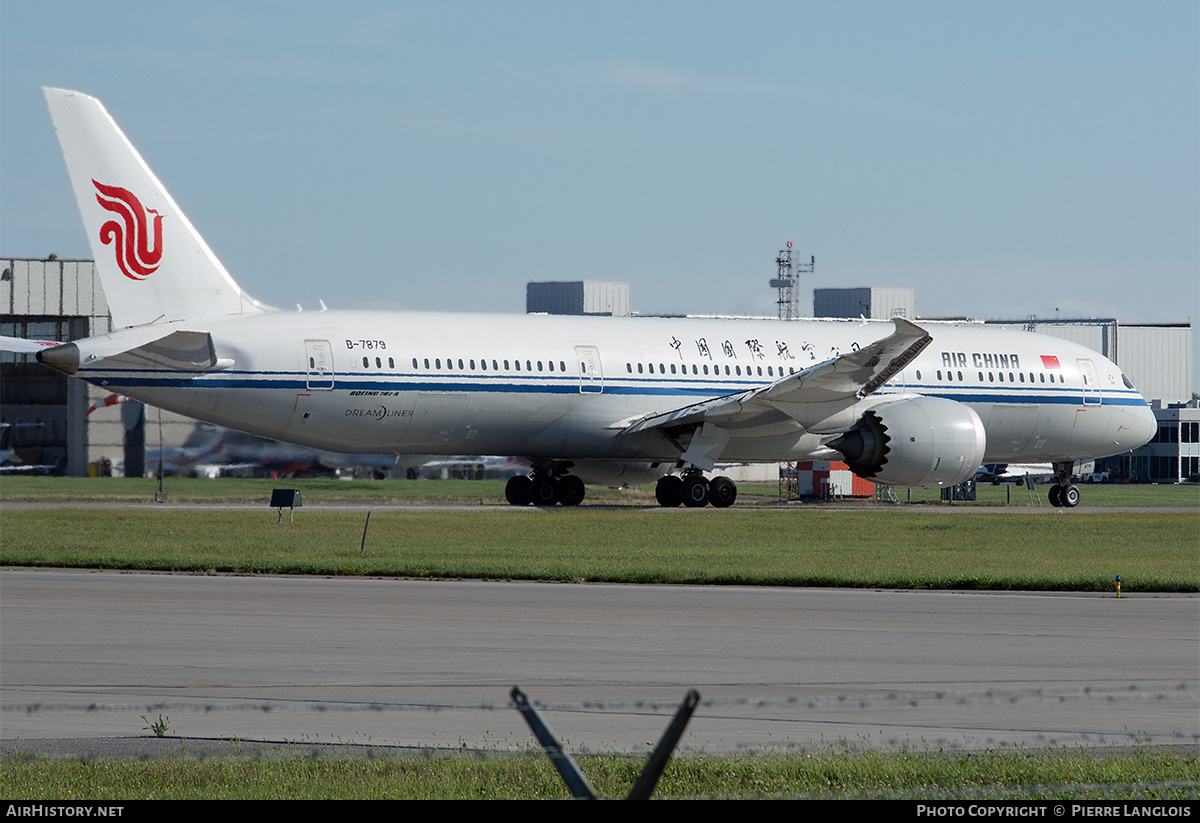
[(154, 266)]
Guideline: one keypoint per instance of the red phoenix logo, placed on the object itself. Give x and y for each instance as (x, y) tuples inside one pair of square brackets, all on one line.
[(137, 258)]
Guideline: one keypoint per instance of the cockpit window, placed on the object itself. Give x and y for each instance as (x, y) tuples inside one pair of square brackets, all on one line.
[(1128, 382)]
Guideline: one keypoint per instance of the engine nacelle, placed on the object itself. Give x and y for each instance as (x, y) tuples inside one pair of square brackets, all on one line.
[(923, 442)]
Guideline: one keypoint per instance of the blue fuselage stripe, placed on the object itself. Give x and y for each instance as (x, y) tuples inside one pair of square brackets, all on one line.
[(544, 384)]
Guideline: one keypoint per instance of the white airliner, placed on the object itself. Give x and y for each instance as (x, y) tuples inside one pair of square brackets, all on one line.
[(585, 399)]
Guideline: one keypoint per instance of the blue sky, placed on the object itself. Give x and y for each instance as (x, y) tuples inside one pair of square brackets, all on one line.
[(1006, 159)]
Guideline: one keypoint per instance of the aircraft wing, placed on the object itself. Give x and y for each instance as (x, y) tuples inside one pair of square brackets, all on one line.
[(799, 400)]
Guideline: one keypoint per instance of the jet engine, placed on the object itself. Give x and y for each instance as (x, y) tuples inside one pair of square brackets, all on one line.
[(923, 442)]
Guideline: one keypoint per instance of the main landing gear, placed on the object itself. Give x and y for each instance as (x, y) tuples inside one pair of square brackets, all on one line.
[(694, 490), (544, 489)]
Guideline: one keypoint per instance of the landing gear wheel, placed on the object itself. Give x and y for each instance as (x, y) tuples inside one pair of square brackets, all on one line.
[(518, 490), (695, 492), (571, 490), (1069, 496), (544, 491), (721, 492), (1055, 495), (669, 492)]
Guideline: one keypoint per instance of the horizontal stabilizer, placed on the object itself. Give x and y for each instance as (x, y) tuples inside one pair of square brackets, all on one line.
[(189, 351), (178, 351), (21, 345)]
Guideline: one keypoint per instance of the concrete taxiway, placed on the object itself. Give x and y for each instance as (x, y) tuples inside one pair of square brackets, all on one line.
[(430, 663)]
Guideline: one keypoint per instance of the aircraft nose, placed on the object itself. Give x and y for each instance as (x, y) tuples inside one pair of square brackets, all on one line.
[(1142, 426)]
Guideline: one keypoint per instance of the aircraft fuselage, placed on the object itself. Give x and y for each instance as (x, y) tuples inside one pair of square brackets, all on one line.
[(556, 387)]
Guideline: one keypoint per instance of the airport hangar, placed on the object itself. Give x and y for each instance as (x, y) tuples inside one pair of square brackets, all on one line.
[(61, 425)]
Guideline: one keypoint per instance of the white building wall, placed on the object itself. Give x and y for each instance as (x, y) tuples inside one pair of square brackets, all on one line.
[(1158, 359)]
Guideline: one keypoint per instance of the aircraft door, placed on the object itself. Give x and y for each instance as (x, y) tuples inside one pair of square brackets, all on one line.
[(1091, 382), (319, 363), (591, 372)]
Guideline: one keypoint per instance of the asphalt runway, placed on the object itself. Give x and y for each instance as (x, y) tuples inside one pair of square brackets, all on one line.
[(97, 655)]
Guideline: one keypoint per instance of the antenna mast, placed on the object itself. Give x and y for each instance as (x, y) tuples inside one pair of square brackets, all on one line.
[(787, 278)]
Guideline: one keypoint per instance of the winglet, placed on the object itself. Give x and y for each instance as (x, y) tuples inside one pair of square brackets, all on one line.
[(904, 331)]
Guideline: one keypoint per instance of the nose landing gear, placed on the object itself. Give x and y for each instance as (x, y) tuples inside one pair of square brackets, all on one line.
[(1064, 493)]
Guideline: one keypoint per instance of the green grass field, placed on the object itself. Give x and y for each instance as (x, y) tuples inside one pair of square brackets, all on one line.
[(842, 775), (1153, 543), (329, 491), (1076, 551)]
